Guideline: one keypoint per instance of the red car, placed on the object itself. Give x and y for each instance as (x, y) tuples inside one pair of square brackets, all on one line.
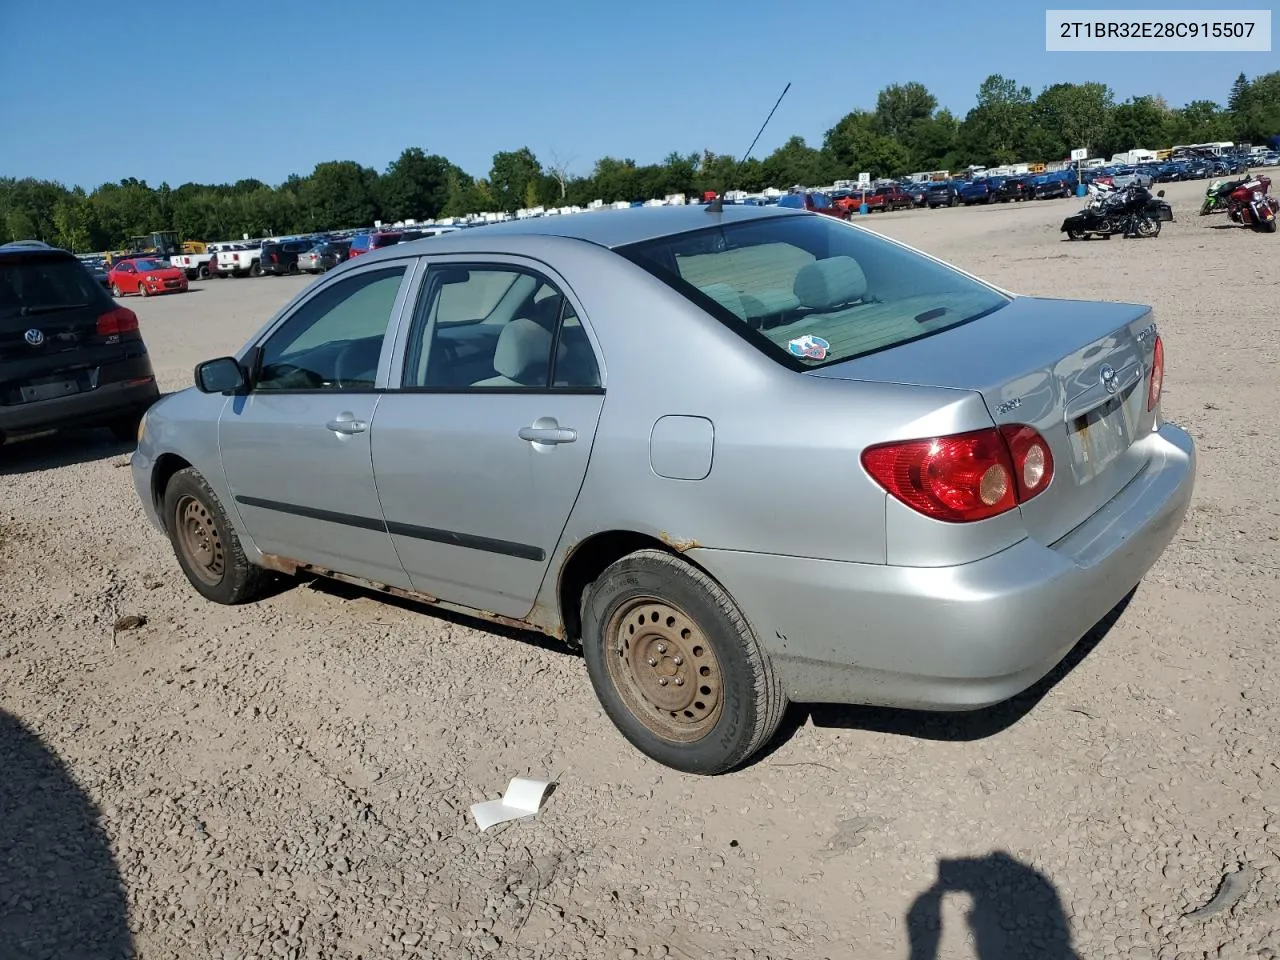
[(145, 276)]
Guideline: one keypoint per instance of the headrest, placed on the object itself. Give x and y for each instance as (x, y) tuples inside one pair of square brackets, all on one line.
[(523, 345), (727, 297), (829, 283)]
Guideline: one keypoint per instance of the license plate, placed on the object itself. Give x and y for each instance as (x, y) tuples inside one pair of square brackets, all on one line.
[(1102, 434), (49, 391)]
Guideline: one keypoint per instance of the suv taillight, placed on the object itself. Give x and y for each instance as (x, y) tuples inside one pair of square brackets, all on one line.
[(117, 321), (966, 476), (1155, 383)]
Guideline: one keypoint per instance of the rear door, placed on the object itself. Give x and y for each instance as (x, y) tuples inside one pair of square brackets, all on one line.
[(49, 340), (480, 452), (295, 449)]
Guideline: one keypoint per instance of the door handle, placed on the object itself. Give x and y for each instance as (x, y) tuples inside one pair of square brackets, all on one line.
[(347, 424), (544, 432)]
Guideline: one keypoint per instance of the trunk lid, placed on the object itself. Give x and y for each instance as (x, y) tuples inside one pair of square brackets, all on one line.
[(1076, 371)]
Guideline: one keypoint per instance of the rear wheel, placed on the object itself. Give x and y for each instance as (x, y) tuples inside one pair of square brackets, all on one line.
[(1077, 235), (256, 269), (676, 666), (203, 272), (205, 543), (1148, 227)]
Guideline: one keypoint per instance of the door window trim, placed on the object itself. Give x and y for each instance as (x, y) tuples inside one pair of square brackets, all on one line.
[(410, 322), (253, 352)]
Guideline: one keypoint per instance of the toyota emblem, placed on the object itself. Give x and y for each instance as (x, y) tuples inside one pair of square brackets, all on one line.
[(1108, 376), (34, 337)]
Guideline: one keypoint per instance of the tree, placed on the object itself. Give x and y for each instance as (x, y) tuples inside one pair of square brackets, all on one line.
[(1138, 122), (1238, 100), (854, 146), (995, 128), (795, 162), (1071, 115), (511, 175), (339, 194), (901, 109), (558, 170), (415, 186)]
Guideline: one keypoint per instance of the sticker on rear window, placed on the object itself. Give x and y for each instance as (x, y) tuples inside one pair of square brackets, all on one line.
[(809, 347)]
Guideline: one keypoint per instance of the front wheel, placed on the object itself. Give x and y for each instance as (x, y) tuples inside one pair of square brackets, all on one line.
[(142, 290), (1206, 208), (676, 666), (205, 543), (116, 291)]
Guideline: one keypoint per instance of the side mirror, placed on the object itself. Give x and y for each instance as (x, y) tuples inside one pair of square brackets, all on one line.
[(224, 375)]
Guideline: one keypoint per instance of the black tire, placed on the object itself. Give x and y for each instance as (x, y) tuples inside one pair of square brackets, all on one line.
[(203, 272), (116, 291), (707, 639), (1268, 226), (142, 289), (125, 428), (220, 572), (256, 269), (1077, 235)]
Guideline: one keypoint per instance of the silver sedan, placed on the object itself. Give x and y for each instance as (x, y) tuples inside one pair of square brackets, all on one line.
[(740, 457)]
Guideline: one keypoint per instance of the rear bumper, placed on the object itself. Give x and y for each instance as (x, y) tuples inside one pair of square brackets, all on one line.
[(963, 637), (128, 386)]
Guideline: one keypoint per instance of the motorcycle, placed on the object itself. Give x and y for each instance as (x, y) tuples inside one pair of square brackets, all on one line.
[(1249, 204), (1132, 211), (1217, 196)]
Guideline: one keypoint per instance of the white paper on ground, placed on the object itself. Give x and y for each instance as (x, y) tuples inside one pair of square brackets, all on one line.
[(522, 799)]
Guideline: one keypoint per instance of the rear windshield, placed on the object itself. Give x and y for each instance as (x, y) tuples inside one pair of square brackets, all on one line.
[(34, 285), (810, 290), (386, 239)]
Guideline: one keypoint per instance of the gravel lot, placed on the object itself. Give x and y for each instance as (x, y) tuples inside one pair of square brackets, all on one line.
[(292, 778)]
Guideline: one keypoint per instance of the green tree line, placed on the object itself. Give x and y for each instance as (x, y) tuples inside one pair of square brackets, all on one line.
[(906, 132)]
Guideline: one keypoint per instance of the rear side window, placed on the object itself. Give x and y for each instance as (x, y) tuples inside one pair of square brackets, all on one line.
[(33, 285), (810, 291), (386, 240)]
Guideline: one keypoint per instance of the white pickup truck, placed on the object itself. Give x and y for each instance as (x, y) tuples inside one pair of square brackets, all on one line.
[(240, 259), (197, 266)]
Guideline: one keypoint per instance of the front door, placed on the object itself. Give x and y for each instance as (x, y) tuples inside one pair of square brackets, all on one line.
[(295, 449), (481, 452)]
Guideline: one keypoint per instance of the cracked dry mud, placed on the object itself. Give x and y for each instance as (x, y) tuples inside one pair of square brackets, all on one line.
[(292, 778)]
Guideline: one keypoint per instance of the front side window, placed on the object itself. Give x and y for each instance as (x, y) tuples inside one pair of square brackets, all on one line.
[(333, 341), (811, 291), (496, 327)]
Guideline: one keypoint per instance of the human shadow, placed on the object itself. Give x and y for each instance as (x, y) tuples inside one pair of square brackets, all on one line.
[(61, 895), (946, 726), (1016, 911)]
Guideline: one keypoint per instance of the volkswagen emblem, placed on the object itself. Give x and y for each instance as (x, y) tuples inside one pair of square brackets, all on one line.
[(1108, 376), (34, 337)]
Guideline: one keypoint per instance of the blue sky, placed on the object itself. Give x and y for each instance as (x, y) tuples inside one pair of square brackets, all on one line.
[(174, 92)]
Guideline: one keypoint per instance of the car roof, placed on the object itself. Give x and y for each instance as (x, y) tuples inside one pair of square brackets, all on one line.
[(17, 248), (605, 228)]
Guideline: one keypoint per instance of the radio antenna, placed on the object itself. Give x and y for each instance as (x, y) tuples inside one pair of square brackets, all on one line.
[(717, 205)]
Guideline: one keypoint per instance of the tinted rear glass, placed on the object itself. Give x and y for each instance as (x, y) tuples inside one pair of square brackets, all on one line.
[(810, 290), (34, 285)]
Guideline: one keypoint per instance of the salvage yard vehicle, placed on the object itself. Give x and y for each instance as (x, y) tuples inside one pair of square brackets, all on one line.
[(69, 355), (240, 259), (146, 277), (741, 457)]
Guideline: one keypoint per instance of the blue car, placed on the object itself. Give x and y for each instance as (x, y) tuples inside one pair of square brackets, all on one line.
[(976, 191)]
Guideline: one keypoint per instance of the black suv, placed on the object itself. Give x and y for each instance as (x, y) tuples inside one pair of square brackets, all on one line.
[(69, 354), (281, 257)]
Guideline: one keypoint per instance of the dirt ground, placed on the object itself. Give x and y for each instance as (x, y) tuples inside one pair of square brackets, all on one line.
[(292, 778)]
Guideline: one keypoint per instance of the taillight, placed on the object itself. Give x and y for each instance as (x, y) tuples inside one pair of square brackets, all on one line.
[(964, 477), (274, 258), (117, 321), (1155, 383), (235, 256)]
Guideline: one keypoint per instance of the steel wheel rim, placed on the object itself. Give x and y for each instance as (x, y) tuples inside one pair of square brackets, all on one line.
[(198, 537), (665, 669)]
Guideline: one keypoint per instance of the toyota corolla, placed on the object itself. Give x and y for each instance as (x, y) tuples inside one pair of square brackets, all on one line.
[(741, 457)]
